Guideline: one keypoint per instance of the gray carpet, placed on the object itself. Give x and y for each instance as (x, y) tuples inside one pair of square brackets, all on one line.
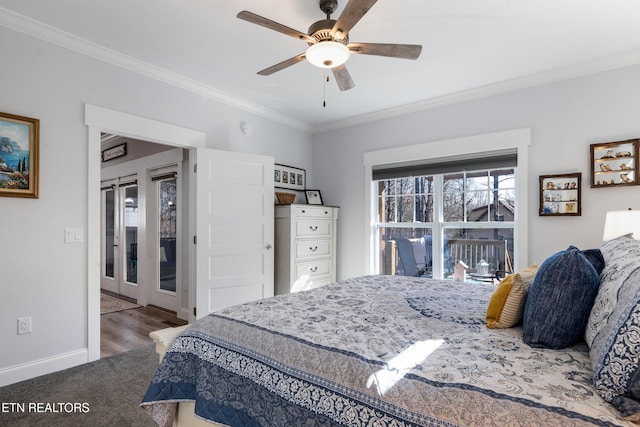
[(106, 392)]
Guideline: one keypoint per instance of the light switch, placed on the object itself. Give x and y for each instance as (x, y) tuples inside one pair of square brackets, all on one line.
[(73, 235)]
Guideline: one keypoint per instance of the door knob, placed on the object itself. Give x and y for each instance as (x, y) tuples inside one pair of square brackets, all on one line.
[(268, 246)]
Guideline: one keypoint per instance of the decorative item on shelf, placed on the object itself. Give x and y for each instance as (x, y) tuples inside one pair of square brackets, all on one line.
[(560, 194), (289, 177), (285, 198), (614, 163)]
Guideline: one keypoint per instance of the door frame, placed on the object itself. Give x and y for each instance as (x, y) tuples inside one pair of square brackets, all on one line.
[(98, 120)]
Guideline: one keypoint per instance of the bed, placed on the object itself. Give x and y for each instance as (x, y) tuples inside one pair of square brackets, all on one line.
[(381, 351)]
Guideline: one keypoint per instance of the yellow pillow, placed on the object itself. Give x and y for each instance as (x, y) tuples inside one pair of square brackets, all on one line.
[(507, 302)]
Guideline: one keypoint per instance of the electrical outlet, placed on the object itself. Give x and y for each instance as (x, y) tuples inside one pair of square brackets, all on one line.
[(24, 325)]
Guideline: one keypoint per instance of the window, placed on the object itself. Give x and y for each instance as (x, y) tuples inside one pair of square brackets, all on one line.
[(472, 214), (437, 159)]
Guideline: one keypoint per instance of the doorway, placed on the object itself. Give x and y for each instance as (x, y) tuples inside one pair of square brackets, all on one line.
[(141, 224), (99, 120), (221, 176)]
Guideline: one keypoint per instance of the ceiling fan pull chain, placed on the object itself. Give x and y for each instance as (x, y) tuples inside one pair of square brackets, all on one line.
[(324, 91)]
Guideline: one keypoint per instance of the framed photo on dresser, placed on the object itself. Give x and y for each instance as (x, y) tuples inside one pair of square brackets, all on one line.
[(313, 197)]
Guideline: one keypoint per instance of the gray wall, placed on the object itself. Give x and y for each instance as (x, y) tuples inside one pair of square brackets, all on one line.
[(564, 118), (43, 277)]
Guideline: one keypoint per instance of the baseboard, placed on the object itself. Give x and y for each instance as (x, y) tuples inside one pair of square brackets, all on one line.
[(25, 371)]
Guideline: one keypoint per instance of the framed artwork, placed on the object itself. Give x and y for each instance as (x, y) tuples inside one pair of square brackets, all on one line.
[(614, 163), (19, 150), (289, 177), (560, 194), (313, 197), (114, 152)]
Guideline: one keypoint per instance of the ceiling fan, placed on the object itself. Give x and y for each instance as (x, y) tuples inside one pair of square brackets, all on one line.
[(328, 40)]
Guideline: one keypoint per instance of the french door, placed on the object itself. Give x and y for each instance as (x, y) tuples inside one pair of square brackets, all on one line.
[(165, 235), (120, 237)]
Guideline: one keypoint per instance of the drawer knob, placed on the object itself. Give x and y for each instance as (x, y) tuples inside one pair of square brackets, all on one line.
[(313, 269), (313, 227), (315, 248), (303, 211)]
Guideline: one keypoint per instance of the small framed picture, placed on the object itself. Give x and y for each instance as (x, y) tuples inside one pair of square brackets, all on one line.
[(114, 152), (289, 177), (313, 197)]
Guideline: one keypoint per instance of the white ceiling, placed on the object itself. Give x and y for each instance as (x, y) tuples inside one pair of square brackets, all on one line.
[(471, 48)]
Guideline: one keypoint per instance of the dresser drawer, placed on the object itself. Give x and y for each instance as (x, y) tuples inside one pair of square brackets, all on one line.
[(313, 228), (312, 248), (313, 212), (321, 267)]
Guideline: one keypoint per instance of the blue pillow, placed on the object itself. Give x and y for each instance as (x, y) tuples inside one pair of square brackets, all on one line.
[(560, 300), (595, 258)]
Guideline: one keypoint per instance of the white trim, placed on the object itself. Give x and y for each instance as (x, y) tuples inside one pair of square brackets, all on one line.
[(99, 119), (518, 139), (25, 371)]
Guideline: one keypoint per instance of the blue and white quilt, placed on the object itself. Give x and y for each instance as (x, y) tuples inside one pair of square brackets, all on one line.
[(373, 351)]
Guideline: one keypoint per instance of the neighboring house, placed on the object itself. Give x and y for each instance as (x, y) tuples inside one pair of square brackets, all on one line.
[(46, 279)]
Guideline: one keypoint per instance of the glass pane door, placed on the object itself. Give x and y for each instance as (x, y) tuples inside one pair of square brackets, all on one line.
[(167, 190), (131, 233), (109, 233)]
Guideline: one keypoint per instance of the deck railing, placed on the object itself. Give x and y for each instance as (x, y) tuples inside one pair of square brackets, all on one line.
[(471, 251)]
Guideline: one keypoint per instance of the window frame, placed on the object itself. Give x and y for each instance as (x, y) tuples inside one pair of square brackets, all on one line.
[(518, 140)]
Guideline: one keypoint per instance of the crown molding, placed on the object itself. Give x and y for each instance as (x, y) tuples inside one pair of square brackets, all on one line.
[(607, 63), (37, 29), (47, 33)]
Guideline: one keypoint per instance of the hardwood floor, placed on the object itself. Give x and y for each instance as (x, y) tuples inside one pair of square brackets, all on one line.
[(129, 329)]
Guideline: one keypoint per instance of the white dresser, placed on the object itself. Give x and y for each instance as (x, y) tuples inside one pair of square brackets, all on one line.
[(305, 247)]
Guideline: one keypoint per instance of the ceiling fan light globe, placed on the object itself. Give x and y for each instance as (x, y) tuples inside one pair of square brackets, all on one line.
[(327, 54)]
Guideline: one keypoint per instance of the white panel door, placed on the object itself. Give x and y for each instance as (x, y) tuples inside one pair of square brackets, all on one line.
[(234, 229)]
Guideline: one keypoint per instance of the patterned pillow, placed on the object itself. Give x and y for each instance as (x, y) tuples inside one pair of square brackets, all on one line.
[(620, 258), (560, 300), (507, 302), (613, 331)]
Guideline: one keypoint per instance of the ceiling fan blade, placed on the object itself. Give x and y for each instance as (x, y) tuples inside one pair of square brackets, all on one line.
[(353, 11), (343, 78), (282, 65), (273, 25), (406, 51)]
